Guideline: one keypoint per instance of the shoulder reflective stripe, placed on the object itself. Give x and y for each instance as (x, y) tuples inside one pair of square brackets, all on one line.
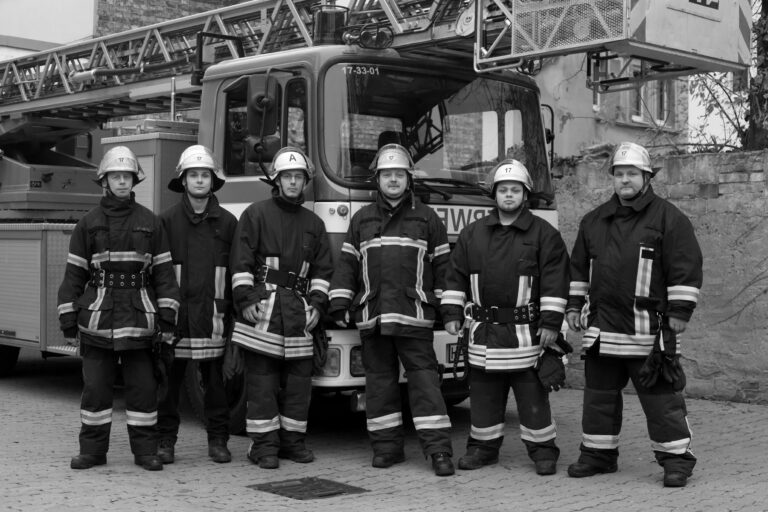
[(388, 421), (262, 426), (487, 433), (689, 293), (555, 304), (578, 288), (77, 261), (141, 419), (431, 422), (292, 425), (242, 279), (600, 442)]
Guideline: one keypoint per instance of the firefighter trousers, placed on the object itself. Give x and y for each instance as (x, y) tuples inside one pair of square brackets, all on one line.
[(279, 393), (100, 368), (215, 407), (488, 394), (383, 400), (664, 409)]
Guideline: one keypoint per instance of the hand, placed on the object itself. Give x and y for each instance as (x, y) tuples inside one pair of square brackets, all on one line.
[(233, 362), (342, 322), (313, 316), (574, 320), (453, 327), (677, 325), (73, 342), (167, 337), (251, 313), (547, 337)]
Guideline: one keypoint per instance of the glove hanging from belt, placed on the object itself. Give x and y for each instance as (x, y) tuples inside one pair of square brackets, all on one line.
[(163, 355), (319, 349), (663, 361), (550, 368)]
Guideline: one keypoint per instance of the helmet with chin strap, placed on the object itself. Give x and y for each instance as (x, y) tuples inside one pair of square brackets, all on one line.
[(508, 170), (119, 159), (197, 157)]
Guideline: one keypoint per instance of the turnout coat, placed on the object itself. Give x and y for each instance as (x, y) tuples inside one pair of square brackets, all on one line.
[(115, 248), (628, 264), (283, 236), (522, 264), (392, 269), (200, 245)]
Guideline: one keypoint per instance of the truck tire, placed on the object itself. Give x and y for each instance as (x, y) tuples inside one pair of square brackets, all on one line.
[(236, 398), (8, 358)]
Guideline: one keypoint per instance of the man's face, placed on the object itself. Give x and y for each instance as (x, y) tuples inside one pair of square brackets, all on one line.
[(120, 183), (510, 195), (291, 183), (393, 182), (198, 182), (628, 181)]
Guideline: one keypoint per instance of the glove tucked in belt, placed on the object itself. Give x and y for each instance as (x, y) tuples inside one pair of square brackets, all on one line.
[(287, 280)]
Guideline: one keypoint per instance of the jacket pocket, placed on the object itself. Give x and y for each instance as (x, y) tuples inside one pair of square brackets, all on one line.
[(430, 305), (527, 267), (89, 306)]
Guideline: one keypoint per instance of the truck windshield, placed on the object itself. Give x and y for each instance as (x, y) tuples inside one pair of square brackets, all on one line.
[(456, 128)]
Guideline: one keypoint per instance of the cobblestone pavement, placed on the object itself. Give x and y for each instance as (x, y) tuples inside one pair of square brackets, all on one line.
[(40, 424)]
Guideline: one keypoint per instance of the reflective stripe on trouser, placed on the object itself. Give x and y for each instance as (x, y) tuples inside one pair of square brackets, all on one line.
[(215, 407), (383, 399), (488, 403), (602, 415), (279, 392), (99, 371)]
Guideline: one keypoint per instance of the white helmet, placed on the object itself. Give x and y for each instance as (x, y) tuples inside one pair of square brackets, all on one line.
[(508, 170), (289, 159), (119, 159), (197, 157), (392, 156), (629, 153)]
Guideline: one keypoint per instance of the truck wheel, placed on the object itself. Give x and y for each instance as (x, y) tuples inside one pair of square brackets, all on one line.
[(236, 398), (8, 358)]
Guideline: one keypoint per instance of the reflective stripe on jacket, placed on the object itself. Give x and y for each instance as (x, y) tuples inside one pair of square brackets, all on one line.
[(627, 264), (200, 245), (392, 269), (507, 266)]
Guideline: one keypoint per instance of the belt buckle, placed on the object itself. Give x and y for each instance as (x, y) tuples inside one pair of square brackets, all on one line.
[(291, 283)]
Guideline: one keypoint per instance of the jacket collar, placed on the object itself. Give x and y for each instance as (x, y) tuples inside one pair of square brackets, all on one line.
[(284, 204), (114, 207), (384, 206), (212, 209), (523, 221), (641, 203)]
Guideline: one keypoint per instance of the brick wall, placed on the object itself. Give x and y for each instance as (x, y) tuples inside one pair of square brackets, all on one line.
[(119, 15), (725, 348)]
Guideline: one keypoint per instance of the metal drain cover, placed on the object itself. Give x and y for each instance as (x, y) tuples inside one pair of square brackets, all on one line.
[(309, 488)]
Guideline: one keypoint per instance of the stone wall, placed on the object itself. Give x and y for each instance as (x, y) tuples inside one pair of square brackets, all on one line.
[(725, 348)]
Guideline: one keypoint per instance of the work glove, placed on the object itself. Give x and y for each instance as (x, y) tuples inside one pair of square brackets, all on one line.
[(663, 361), (651, 369), (550, 369), (162, 361), (319, 350), (233, 362)]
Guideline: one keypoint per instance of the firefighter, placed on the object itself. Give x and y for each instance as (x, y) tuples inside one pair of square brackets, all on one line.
[(281, 270), (635, 266), (118, 292), (509, 276), (391, 272), (200, 233)]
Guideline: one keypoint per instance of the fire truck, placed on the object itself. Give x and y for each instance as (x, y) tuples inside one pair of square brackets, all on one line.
[(448, 79)]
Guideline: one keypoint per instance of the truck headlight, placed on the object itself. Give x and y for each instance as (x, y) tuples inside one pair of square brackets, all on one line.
[(332, 367), (356, 362)]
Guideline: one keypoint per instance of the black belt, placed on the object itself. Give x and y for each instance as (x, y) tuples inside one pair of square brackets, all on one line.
[(288, 280), (100, 278), (495, 315)]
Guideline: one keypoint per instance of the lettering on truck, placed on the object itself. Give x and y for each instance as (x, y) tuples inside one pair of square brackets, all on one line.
[(456, 218)]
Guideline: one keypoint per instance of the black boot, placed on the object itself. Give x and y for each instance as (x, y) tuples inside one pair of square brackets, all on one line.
[(218, 451), (86, 461), (167, 450), (148, 462)]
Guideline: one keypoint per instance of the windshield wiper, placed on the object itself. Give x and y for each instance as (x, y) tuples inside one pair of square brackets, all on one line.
[(450, 181), (420, 182)]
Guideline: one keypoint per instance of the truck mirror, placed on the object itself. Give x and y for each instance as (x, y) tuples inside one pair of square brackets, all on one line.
[(263, 105), (261, 149)]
